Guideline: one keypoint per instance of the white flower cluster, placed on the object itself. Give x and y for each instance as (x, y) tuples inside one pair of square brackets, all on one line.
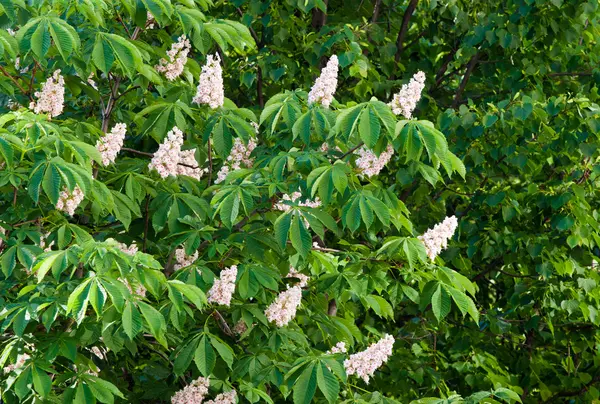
[(69, 201), (436, 239), (131, 250), (178, 53), (223, 288), (283, 309), (325, 148), (324, 88), (210, 89), (224, 398), (21, 359), (240, 327), (2, 233), (365, 363), (255, 126), (110, 144), (240, 153), (134, 288), (405, 102), (150, 20), (52, 97), (340, 347), (184, 260), (303, 279), (193, 393), (92, 82), (293, 198), (166, 158), (98, 353), (169, 159), (189, 166), (369, 164), (43, 245)]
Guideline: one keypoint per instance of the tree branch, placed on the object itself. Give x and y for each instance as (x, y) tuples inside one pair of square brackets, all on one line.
[(376, 10), (352, 150), (465, 80), (404, 28), (7, 74)]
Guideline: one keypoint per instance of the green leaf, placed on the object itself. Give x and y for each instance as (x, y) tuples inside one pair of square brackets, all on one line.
[(41, 381), (132, 320), (224, 350), (184, 358), (369, 127), (300, 237), (103, 55), (306, 385), (205, 357), (328, 384), (440, 303), (282, 227), (78, 300), (40, 40), (156, 322)]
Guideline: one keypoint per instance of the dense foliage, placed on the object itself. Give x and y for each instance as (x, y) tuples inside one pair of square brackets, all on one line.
[(159, 227)]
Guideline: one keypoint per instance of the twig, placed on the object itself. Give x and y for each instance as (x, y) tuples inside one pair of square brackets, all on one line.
[(146, 224), (404, 28), (7, 74), (463, 83), (376, 10), (35, 66), (222, 323), (126, 91), (141, 153), (210, 164), (352, 150)]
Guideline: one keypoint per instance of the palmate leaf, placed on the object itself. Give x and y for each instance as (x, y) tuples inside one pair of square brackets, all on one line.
[(36, 35)]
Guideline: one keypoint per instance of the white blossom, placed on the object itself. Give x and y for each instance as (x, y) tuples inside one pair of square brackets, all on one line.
[(184, 260), (340, 347), (2, 233), (436, 239), (240, 327), (173, 67), (210, 89), (166, 158), (255, 126), (189, 166), (150, 20), (224, 398), (240, 154), (405, 102), (69, 201), (294, 198), (223, 288), (194, 393), (324, 88), (92, 82), (303, 279), (132, 249), (110, 144), (369, 164), (365, 363), (21, 359), (43, 245), (52, 97), (98, 353), (283, 309), (135, 288)]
